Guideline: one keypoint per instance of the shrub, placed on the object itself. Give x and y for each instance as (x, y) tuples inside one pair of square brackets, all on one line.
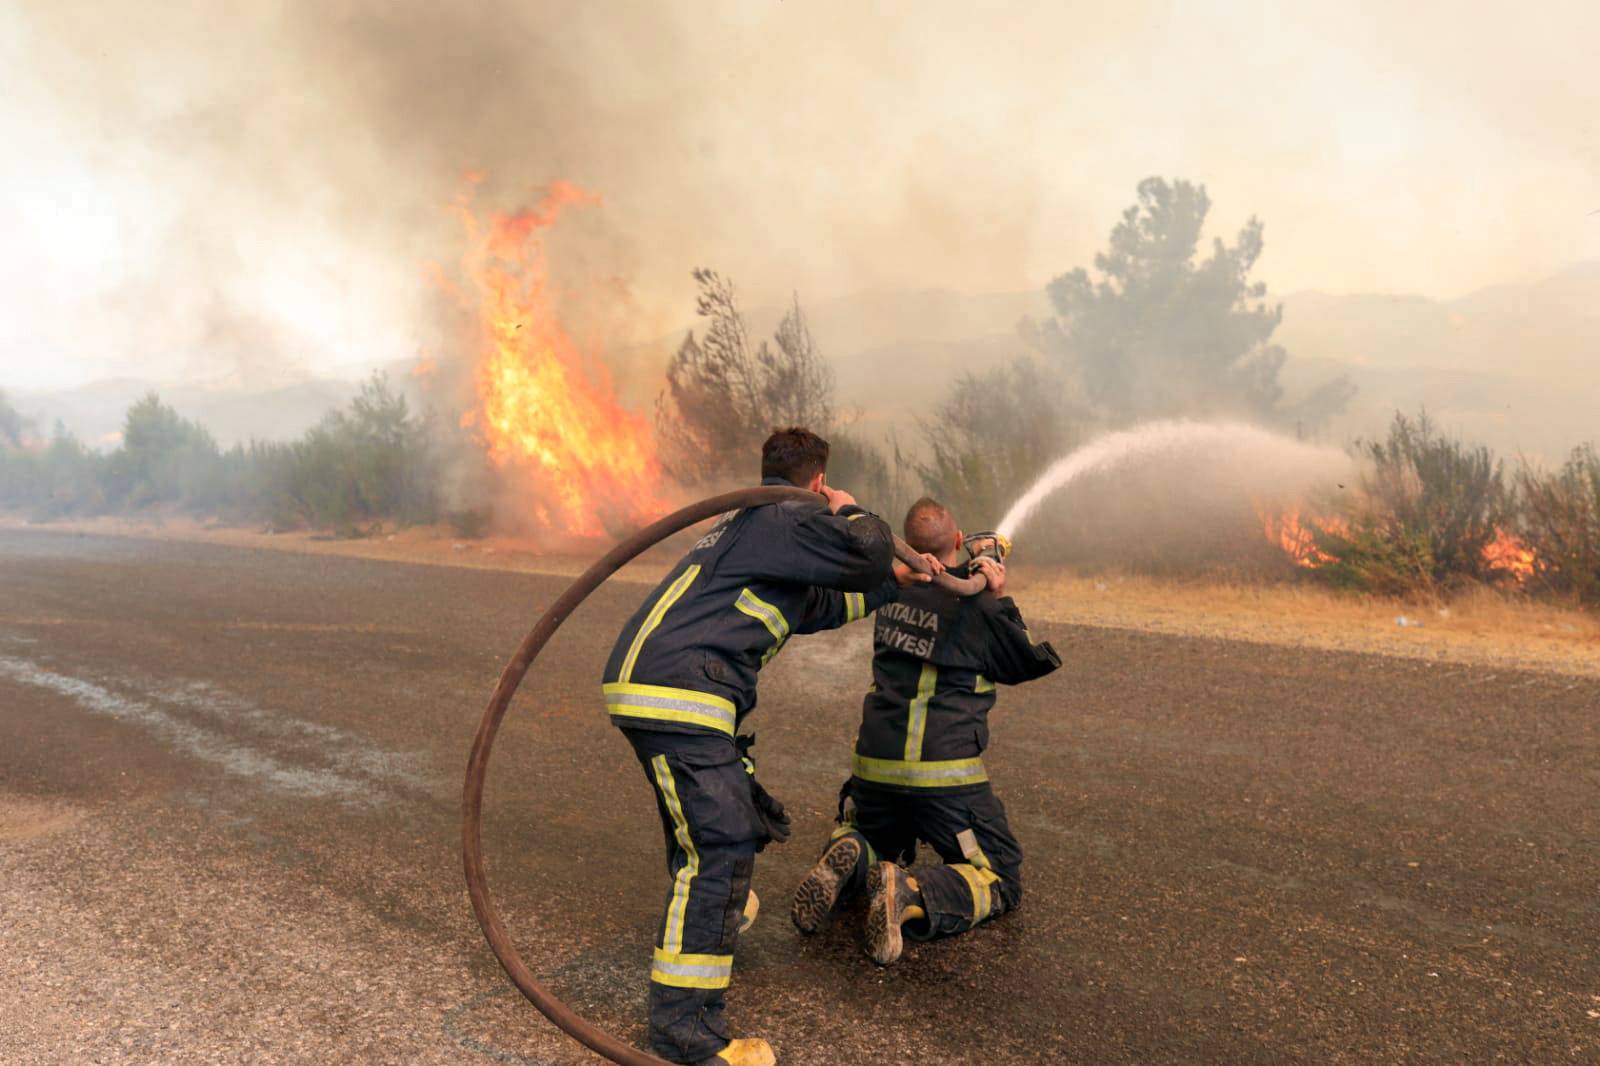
[(991, 437), (1428, 506), (1373, 557), (371, 461), (164, 458), (1560, 521)]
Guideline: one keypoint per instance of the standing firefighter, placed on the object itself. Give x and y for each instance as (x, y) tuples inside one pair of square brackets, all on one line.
[(917, 771), (681, 679)]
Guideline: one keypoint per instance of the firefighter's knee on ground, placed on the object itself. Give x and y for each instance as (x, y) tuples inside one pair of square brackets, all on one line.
[(1010, 892)]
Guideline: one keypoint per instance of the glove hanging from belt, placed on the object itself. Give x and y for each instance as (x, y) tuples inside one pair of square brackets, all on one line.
[(767, 806)]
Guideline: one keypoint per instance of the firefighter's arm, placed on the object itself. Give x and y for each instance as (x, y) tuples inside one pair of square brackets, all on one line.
[(851, 551), (1011, 654), (830, 608)]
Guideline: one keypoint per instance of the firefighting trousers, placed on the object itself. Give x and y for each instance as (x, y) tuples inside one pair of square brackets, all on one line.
[(980, 873), (712, 831)]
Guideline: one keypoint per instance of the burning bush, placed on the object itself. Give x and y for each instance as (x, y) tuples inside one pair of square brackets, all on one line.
[(1372, 555), (1432, 512), (1560, 513), (579, 462)]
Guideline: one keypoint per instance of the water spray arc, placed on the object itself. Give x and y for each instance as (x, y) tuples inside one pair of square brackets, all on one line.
[(1143, 441), (494, 930)]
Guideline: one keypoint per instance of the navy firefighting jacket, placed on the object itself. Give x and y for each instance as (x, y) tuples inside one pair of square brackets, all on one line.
[(936, 660), (687, 660)]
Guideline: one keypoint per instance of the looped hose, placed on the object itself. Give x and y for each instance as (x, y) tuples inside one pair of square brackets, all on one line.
[(494, 930)]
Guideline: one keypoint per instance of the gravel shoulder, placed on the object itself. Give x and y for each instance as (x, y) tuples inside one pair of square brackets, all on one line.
[(229, 802)]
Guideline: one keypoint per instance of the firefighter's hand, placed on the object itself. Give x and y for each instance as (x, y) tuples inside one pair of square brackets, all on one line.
[(995, 573), (905, 576), (773, 816), (838, 499)]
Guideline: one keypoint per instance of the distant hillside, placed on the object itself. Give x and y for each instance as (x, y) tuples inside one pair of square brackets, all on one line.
[(95, 412), (1515, 366), (1550, 329)]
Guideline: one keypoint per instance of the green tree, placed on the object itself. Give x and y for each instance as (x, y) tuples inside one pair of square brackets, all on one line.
[(723, 397), (1560, 514), (164, 458), (357, 466), (12, 425), (992, 436), (1160, 332)]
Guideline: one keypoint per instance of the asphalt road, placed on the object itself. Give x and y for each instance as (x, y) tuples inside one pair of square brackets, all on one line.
[(229, 796)]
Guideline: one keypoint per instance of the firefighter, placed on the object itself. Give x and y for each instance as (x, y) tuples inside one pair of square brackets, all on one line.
[(918, 775), (679, 683)]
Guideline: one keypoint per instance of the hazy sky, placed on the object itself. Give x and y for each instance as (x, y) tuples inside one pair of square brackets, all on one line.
[(193, 191)]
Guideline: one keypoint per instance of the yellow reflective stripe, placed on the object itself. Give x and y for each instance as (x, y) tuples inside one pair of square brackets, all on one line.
[(855, 606), (917, 724), (982, 685), (768, 615), (764, 612), (979, 884), (682, 970), (858, 514), (945, 773), (653, 619), (672, 934), (662, 704)]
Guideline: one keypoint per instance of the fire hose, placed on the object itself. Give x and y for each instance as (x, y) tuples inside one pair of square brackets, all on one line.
[(494, 930)]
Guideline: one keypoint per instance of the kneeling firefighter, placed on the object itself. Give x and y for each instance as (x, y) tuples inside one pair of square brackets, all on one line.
[(918, 775), (680, 681)]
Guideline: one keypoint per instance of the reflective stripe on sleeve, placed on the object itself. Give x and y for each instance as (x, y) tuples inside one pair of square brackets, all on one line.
[(909, 774), (768, 615), (982, 685), (855, 606), (662, 704)]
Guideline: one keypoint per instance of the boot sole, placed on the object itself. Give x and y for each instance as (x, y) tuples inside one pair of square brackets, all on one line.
[(884, 942), (815, 898)]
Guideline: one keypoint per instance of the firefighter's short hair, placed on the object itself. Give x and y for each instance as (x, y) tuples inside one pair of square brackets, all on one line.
[(930, 527), (795, 454)]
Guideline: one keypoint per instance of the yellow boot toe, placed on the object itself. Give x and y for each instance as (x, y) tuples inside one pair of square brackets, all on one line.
[(748, 1053)]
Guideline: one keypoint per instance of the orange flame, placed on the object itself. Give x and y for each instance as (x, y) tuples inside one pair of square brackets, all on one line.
[(1297, 541), (543, 407), (1508, 555)]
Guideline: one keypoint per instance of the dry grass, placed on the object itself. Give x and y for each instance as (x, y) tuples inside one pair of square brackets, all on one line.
[(1477, 627)]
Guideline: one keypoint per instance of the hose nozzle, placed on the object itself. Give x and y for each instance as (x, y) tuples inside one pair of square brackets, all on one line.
[(988, 544)]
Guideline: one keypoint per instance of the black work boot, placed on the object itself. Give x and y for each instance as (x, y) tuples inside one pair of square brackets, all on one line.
[(815, 898), (894, 900)]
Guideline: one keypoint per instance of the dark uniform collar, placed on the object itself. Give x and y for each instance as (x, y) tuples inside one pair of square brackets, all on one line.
[(778, 481)]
